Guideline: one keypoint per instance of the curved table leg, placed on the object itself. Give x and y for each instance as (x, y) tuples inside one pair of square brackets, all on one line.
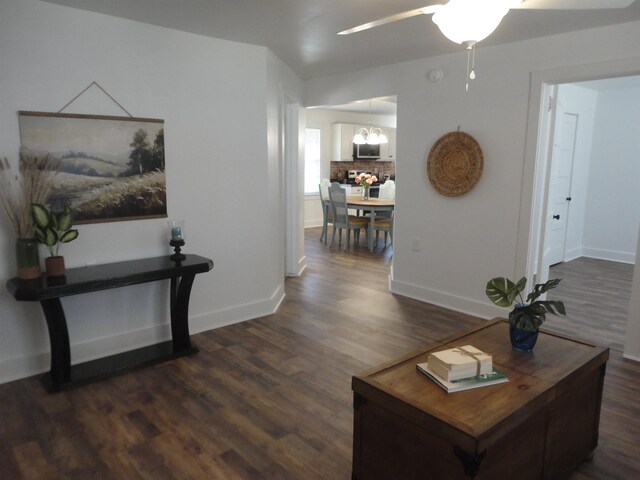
[(180, 293), (60, 372)]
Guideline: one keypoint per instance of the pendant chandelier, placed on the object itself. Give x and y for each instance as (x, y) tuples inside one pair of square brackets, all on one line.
[(371, 135)]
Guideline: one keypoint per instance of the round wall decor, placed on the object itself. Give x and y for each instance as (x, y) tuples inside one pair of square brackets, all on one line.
[(454, 164)]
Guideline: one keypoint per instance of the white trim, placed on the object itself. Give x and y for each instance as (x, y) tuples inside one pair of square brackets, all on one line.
[(534, 192), (613, 256), (291, 204), (541, 85), (446, 300), (631, 357)]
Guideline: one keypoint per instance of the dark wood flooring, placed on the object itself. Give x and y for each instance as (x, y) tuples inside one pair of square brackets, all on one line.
[(269, 398), (596, 294)]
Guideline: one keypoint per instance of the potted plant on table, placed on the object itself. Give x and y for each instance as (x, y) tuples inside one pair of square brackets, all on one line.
[(528, 314), (53, 230)]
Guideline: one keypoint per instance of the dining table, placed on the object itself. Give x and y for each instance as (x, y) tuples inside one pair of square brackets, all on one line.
[(373, 205)]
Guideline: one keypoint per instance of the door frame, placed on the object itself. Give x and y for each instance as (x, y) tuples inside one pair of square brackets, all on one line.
[(533, 200), (540, 121)]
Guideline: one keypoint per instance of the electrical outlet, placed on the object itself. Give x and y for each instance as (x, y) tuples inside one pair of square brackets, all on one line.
[(415, 245)]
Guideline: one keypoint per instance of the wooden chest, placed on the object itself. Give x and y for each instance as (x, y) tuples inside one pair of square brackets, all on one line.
[(539, 425)]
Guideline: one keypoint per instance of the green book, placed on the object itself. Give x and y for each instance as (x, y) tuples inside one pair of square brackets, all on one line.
[(493, 378)]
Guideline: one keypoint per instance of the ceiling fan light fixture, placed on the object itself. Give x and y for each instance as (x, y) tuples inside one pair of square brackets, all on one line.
[(464, 21)]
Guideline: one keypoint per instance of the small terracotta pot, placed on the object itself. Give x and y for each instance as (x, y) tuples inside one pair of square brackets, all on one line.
[(55, 266)]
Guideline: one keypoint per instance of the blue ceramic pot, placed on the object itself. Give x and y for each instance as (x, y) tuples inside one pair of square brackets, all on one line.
[(522, 340)]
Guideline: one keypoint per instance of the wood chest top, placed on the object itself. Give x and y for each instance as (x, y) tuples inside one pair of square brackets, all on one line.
[(476, 418)]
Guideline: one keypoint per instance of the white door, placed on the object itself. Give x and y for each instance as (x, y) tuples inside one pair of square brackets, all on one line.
[(564, 140)]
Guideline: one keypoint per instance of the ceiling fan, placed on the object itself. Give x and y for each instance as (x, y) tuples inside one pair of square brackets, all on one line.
[(467, 22)]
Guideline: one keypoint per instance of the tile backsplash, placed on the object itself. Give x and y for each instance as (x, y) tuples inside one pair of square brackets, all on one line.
[(339, 169)]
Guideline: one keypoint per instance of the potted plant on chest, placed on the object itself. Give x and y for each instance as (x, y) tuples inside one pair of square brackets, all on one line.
[(528, 314), (53, 230)]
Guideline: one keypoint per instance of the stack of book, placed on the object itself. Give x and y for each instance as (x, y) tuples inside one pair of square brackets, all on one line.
[(461, 368)]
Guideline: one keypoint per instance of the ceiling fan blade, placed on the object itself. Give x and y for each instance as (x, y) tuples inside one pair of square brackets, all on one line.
[(392, 18), (573, 4)]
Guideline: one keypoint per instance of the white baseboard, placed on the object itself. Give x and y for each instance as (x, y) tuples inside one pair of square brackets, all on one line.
[(447, 300), (35, 363), (312, 223), (600, 254), (302, 265), (572, 254), (611, 255), (631, 357)]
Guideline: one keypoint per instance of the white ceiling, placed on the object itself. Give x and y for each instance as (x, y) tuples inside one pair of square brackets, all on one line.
[(302, 33), (374, 106)]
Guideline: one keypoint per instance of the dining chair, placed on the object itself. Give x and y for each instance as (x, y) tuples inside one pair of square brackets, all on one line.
[(384, 224), (342, 219), (327, 213), (387, 190)]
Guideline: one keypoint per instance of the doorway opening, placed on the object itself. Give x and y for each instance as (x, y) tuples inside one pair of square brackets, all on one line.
[(586, 199), (336, 126)]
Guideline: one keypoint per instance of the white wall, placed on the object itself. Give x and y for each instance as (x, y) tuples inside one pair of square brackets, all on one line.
[(582, 102), (212, 94), (613, 204), (445, 249)]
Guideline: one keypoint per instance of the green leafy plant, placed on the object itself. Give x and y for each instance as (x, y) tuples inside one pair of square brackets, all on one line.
[(529, 313), (51, 229)]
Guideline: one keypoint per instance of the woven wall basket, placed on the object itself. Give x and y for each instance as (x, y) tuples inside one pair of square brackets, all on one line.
[(454, 164)]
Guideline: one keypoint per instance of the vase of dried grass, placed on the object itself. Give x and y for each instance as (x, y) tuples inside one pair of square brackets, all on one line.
[(27, 258)]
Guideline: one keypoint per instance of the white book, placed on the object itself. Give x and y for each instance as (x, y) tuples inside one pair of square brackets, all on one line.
[(447, 374), (464, 360)]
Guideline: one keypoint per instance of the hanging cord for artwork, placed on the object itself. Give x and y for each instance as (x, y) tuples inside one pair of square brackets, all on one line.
[(103, 91)]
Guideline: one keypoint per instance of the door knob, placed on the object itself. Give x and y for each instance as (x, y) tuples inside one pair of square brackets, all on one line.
[(556, 217)]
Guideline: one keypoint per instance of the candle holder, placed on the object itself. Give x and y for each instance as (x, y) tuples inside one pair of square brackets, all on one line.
[(176, 234), (177, 244)]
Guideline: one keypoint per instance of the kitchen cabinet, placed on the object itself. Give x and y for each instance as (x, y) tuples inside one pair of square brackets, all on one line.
[(388, 150), (342, 141)]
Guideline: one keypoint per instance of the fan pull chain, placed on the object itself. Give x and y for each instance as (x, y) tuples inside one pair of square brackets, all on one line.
[(471, 61)]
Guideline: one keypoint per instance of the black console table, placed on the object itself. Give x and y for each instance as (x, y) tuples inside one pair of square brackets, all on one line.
[(49, 290)]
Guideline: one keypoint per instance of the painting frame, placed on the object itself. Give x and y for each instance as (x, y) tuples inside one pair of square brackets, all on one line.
[(112, 168)]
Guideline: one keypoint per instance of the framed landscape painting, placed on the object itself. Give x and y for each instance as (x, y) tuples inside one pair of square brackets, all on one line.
[(111, 168)]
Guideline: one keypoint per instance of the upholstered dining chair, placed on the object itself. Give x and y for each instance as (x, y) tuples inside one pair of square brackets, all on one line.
[(327, 212), (384, 224), (342, 219)]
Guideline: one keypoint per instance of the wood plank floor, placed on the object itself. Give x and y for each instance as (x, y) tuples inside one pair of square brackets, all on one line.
[(268, 398), (596, 294)]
